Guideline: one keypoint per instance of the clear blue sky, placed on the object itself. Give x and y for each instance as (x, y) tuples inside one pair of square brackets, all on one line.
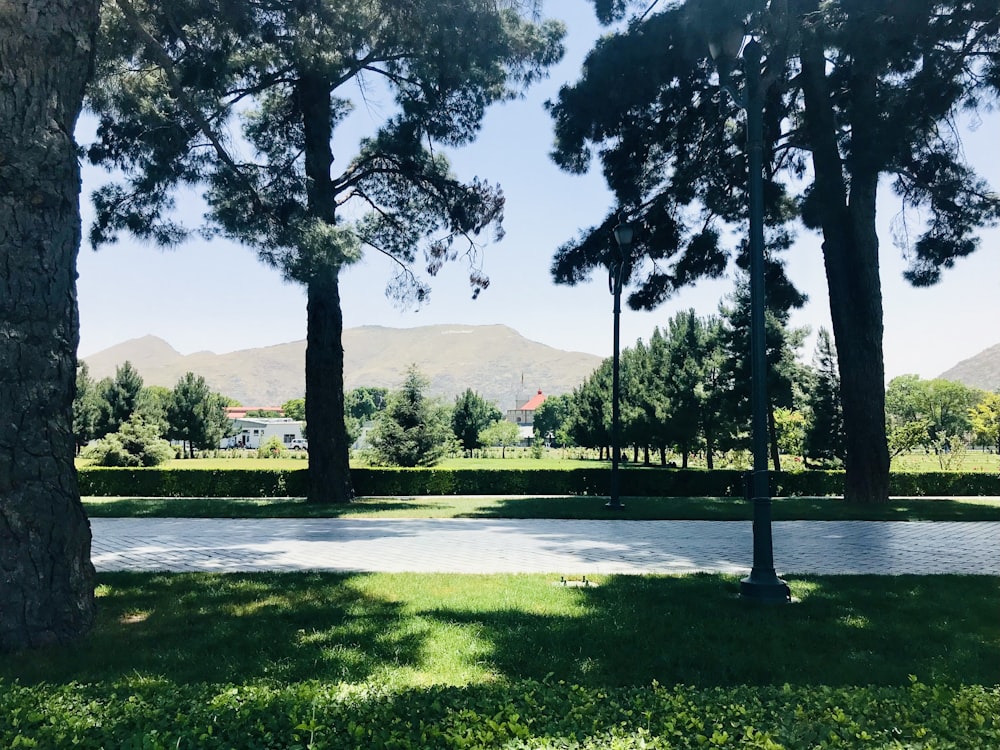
[(215, 295)]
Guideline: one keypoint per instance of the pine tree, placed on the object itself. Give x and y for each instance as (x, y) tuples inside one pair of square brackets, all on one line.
[(195, 415), (86, 407), (824, 438), (657, 401), (781, 345), (471, 415), (243, 100), (856, 94), (590, 418), (119, 398), (414, 430), (684, 378)]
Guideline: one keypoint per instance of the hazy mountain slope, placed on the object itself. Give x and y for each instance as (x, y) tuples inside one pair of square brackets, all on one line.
[(980, 371), (148, 352), (496, 361)]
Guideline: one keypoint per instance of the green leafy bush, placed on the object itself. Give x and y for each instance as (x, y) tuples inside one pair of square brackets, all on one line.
[(525, 714), (136, 443), (271, 448)]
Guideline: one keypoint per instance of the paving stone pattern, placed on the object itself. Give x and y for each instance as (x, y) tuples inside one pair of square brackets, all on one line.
[(544, 546)]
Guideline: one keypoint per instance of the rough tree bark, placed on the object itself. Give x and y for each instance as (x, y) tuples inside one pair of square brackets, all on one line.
[(329, 473), (329, 465), (850, 255), (46, 577)]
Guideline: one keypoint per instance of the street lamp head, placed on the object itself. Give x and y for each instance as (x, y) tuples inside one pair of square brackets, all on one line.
[(725, 48), (616, 264), (623, 236), (726, 45)]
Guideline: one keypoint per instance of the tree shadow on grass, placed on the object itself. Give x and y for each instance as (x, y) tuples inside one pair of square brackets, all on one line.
[(843, 630), (636, 508), (230, 628), (626, 631), (897, 509), (737, 509)]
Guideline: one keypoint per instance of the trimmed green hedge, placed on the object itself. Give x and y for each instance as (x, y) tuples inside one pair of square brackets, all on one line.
[(933, 483), (639, 482), (319, 716), (153, 482)]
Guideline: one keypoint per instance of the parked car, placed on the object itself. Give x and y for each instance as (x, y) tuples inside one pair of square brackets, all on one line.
[(299, 444)]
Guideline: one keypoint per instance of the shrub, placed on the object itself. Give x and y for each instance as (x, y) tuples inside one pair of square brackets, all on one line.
[(136, 443), (271, 448), (537, 448)]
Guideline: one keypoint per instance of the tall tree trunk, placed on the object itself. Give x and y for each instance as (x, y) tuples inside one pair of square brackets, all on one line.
[(47, 581), (850, 254), (329, 451)]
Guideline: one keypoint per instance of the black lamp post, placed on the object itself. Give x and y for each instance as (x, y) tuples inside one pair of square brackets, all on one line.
[(616, 275), (762, 584)]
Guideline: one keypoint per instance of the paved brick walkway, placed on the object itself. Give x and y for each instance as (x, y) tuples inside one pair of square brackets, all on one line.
[(549, 546)]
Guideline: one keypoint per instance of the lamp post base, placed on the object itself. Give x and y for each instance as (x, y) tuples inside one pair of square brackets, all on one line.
[(767, 589), (614, 505)]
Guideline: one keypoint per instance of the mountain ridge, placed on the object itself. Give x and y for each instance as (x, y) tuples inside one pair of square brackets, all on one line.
[(978, 371), (494, 360)]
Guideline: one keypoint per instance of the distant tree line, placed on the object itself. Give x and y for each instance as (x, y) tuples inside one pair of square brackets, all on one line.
[(408, 427), (121, 422), (942, 417), (684, 393), (687, 392)]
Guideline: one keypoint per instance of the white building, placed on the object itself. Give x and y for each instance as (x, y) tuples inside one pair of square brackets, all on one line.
[(252, 431)]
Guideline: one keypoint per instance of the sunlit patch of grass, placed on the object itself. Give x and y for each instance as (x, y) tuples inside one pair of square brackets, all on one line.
[(806, 588), (855, 621), (973, 461)]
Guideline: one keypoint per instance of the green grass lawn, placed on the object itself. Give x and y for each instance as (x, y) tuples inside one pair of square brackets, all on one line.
[(326, 661), (335, 661), (410, 631), (973, 461), (636, 508)]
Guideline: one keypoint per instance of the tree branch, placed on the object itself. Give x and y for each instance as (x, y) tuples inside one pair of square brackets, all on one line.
[(167, 65)]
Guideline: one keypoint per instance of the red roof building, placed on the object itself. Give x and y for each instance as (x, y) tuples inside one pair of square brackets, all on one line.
[(525, 414), (239, 412), (534, 402)]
